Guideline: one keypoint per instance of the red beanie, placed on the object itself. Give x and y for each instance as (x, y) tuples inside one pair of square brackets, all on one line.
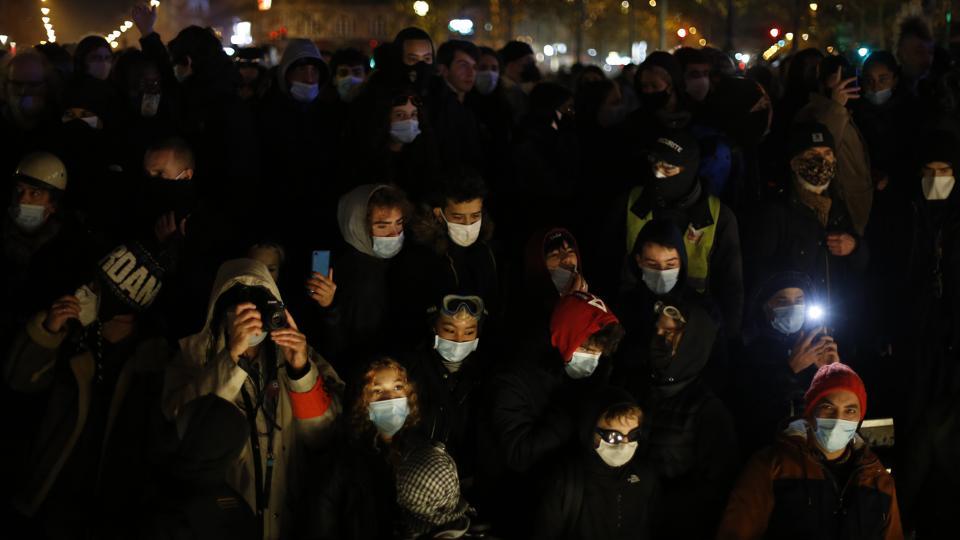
[(833, 377), (576, 317)]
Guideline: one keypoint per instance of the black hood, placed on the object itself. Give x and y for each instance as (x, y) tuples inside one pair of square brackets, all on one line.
[(755, 319), (670, 375)]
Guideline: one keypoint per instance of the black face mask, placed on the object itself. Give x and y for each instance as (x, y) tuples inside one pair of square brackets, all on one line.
[(653, 101), (661, 355), (530, 73), (178, 196)]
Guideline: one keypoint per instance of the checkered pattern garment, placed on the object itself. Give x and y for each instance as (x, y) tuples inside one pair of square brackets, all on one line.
[(428, 490)]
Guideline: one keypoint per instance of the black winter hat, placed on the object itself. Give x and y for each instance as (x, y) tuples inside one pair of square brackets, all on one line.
[(676, 147), (665, 61), (809, 135), (132, 276), (514, 50)]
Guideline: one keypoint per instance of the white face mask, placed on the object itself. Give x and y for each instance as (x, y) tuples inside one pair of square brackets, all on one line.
[(389, 415), (937, 188), (562, 279), (582, 364), (698, 88), (256, 339), (879, 98), (182, 72), (149, 105), (616, 455), (657, 173), (487, 82), (92, 121), (29, 217), (660, 281), (89, 305), (304, 93), (386, 247), (454, 351), (99, 70), (405, 131), (345, 87), (835, 434), (464, 235)]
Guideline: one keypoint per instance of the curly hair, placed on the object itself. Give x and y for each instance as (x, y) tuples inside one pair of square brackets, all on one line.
[(360, 425)]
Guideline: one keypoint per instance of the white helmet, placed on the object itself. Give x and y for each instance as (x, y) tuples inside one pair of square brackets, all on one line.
[(45, 168)]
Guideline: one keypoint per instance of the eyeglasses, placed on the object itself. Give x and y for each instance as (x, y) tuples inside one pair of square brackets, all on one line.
[(612, 436)]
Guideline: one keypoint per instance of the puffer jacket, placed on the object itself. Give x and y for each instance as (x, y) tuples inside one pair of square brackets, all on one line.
[(305, 412), (786, 492)]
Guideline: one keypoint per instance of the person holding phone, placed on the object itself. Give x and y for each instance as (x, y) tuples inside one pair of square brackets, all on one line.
[(783, 350), (353, 307), (830, 106)]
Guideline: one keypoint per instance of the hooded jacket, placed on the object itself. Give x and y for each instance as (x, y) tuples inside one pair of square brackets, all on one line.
[(585, 498), (299, 49), (786, 492), (692, 442), (306, 407), (359, 312)]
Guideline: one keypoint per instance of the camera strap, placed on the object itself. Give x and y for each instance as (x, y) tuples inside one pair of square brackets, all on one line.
[(268, 398)]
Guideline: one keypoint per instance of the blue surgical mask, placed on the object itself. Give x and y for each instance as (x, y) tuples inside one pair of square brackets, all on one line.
[(660, 281), (304, 93), (389, 415), (582, 365), (345, 87), (834, 434), (486, 82), (386, 247), (879, 98), (405, 131), (789, 319)]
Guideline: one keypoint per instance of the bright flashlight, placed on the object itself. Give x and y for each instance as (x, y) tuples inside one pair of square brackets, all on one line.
[(815, 312)]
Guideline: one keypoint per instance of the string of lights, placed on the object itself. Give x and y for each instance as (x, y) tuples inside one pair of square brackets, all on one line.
[(113, 36), (47, 23)]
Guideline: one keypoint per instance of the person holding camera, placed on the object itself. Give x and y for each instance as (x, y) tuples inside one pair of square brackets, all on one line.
[(251, 353)]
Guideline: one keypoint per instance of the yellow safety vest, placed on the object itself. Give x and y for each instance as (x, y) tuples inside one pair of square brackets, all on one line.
[(698, 249)]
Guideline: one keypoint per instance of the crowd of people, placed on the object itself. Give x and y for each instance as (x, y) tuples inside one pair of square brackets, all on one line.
[(247, 301)]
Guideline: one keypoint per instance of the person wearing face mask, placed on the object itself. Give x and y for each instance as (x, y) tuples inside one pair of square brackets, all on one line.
[(518, 75), (350, 68), (663, 104), (932, 280), (552, 267), (915, 51), (92, 58), (534, 404), (783, 350), (696, 67), (831, 106), (811, 232), (251, 353), (886, 116), (97, 355), (448, 251), (29, 110), (450, 370), (605, 489), (801, 486), (672, 191), (351, 313), (692, 443)]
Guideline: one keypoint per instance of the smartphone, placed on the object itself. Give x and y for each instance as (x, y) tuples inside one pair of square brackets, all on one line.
[(321, 262)]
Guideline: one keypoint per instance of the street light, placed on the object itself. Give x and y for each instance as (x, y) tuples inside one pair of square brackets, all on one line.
[(774, 32), (45, 10), (3, 39), (682, 33), (421, 8), (813, 6)]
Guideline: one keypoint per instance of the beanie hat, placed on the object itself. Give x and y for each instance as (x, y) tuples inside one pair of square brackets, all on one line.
[(132, 275), (809, 135), (938, 145), (514, 50), (830, 378), (576, 317)]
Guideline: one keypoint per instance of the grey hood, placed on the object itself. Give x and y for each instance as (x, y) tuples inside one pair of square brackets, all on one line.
[(298, 49), (352, 217)]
